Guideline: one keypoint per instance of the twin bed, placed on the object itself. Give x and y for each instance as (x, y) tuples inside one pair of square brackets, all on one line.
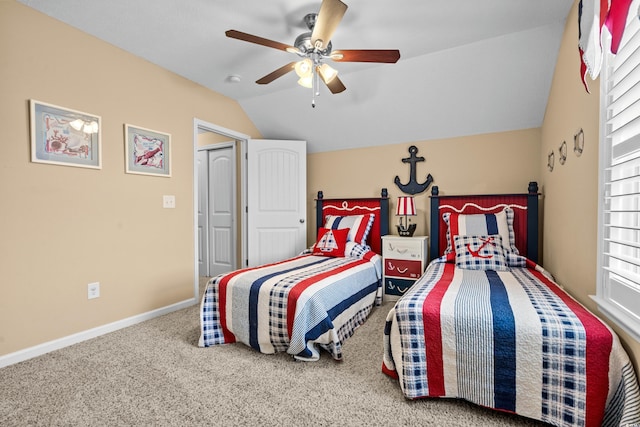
[(485, 323), (310, 302)]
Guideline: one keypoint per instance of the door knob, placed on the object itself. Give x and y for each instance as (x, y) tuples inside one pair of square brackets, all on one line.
[(301, 221)]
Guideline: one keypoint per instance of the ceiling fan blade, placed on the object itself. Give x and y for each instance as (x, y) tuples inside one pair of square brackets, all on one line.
[(335, 85), (366, 55), (258, 40), (276, 74), (329, 16)]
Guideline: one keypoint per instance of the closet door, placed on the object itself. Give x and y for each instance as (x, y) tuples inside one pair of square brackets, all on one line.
[(276, 200), (216, 210), (221, 210)]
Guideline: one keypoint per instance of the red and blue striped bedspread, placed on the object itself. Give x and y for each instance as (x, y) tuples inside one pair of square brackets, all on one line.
[(513, 341), (298, 305)]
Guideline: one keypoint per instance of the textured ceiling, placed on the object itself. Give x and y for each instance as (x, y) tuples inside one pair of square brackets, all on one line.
[(467, 67)]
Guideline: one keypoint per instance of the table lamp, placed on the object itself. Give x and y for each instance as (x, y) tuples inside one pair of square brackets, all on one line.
[(406, 207)]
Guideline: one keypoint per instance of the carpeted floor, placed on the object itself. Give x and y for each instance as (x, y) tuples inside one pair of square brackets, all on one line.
[(153, 373)]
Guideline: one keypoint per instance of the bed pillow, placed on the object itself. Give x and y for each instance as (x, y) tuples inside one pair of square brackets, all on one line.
[(331, 242), (358, 225), (480, 225), (480, 253), (356, 250)]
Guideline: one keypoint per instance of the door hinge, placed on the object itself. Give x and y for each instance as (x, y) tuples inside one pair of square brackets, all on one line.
[(246, 262)]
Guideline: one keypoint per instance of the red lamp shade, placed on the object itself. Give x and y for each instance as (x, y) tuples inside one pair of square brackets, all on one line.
[(406, 206)]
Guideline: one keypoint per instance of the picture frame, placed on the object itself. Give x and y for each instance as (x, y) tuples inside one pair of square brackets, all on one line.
[(578, 142), (66, 137), (148, 152)]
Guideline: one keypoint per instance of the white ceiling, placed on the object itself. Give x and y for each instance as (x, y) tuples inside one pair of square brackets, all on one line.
[(466, 67)]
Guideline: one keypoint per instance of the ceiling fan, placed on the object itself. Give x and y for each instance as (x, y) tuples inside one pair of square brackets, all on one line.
[(314, 47)]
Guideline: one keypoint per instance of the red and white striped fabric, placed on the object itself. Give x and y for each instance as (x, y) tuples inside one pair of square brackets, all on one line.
[(593, 16), (512, 341), (358, 225), (299, 305), (406, 206)]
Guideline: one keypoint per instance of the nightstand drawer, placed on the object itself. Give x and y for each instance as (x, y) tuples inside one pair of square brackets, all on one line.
[(397, 287), (403, 248), (403, 268)]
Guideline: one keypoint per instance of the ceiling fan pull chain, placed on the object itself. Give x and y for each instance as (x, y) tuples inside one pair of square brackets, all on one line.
[(314, 85)]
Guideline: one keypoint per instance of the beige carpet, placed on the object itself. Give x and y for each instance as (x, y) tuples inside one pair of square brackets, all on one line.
[(154, 374)]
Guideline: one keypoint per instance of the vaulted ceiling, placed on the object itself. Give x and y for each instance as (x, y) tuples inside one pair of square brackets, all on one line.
[(466, 67)]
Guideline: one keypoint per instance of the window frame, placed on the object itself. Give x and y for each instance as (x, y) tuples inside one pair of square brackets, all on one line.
[(624, 317)]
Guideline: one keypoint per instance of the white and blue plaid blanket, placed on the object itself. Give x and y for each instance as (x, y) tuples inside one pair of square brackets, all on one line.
[(298, 305), (509, 340)]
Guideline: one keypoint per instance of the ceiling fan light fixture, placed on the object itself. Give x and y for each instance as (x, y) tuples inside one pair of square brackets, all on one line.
[(327, 73), (306, 81), (314, 47), (304, 68)]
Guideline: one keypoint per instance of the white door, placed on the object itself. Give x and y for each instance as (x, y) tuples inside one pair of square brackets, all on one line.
[(221, 211), (276, 200), (216, 210)]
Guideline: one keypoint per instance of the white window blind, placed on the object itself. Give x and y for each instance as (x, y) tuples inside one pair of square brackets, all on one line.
[(618, 289)]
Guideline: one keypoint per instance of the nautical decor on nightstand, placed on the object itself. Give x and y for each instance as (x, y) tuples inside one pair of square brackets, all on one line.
[(413, 186), (406, 207)]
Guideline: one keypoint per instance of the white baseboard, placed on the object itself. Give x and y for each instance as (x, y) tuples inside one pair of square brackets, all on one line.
[(40, 349)]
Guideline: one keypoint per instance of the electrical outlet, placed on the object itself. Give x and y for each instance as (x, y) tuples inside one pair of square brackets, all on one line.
[(169, 202), (93, 290)]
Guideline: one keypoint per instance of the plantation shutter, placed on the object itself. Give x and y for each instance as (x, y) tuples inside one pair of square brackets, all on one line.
[(620, 175)]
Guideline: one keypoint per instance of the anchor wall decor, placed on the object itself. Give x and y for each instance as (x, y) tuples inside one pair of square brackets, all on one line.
[(413, 186)]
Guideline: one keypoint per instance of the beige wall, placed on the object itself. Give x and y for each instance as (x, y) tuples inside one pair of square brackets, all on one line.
[(571, 190), (64, 227), (457, 165), (208, 138)]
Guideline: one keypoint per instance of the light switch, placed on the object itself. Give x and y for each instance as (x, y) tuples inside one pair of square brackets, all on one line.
[(169, 202)]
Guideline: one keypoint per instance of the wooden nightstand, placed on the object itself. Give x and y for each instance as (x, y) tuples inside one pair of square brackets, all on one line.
[(404, 259)]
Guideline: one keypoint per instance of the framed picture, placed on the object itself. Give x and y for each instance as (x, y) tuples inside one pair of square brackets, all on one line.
[(61, 136), (148, 152)]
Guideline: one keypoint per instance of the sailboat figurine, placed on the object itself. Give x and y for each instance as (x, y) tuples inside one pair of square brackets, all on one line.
[(327, 243)]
